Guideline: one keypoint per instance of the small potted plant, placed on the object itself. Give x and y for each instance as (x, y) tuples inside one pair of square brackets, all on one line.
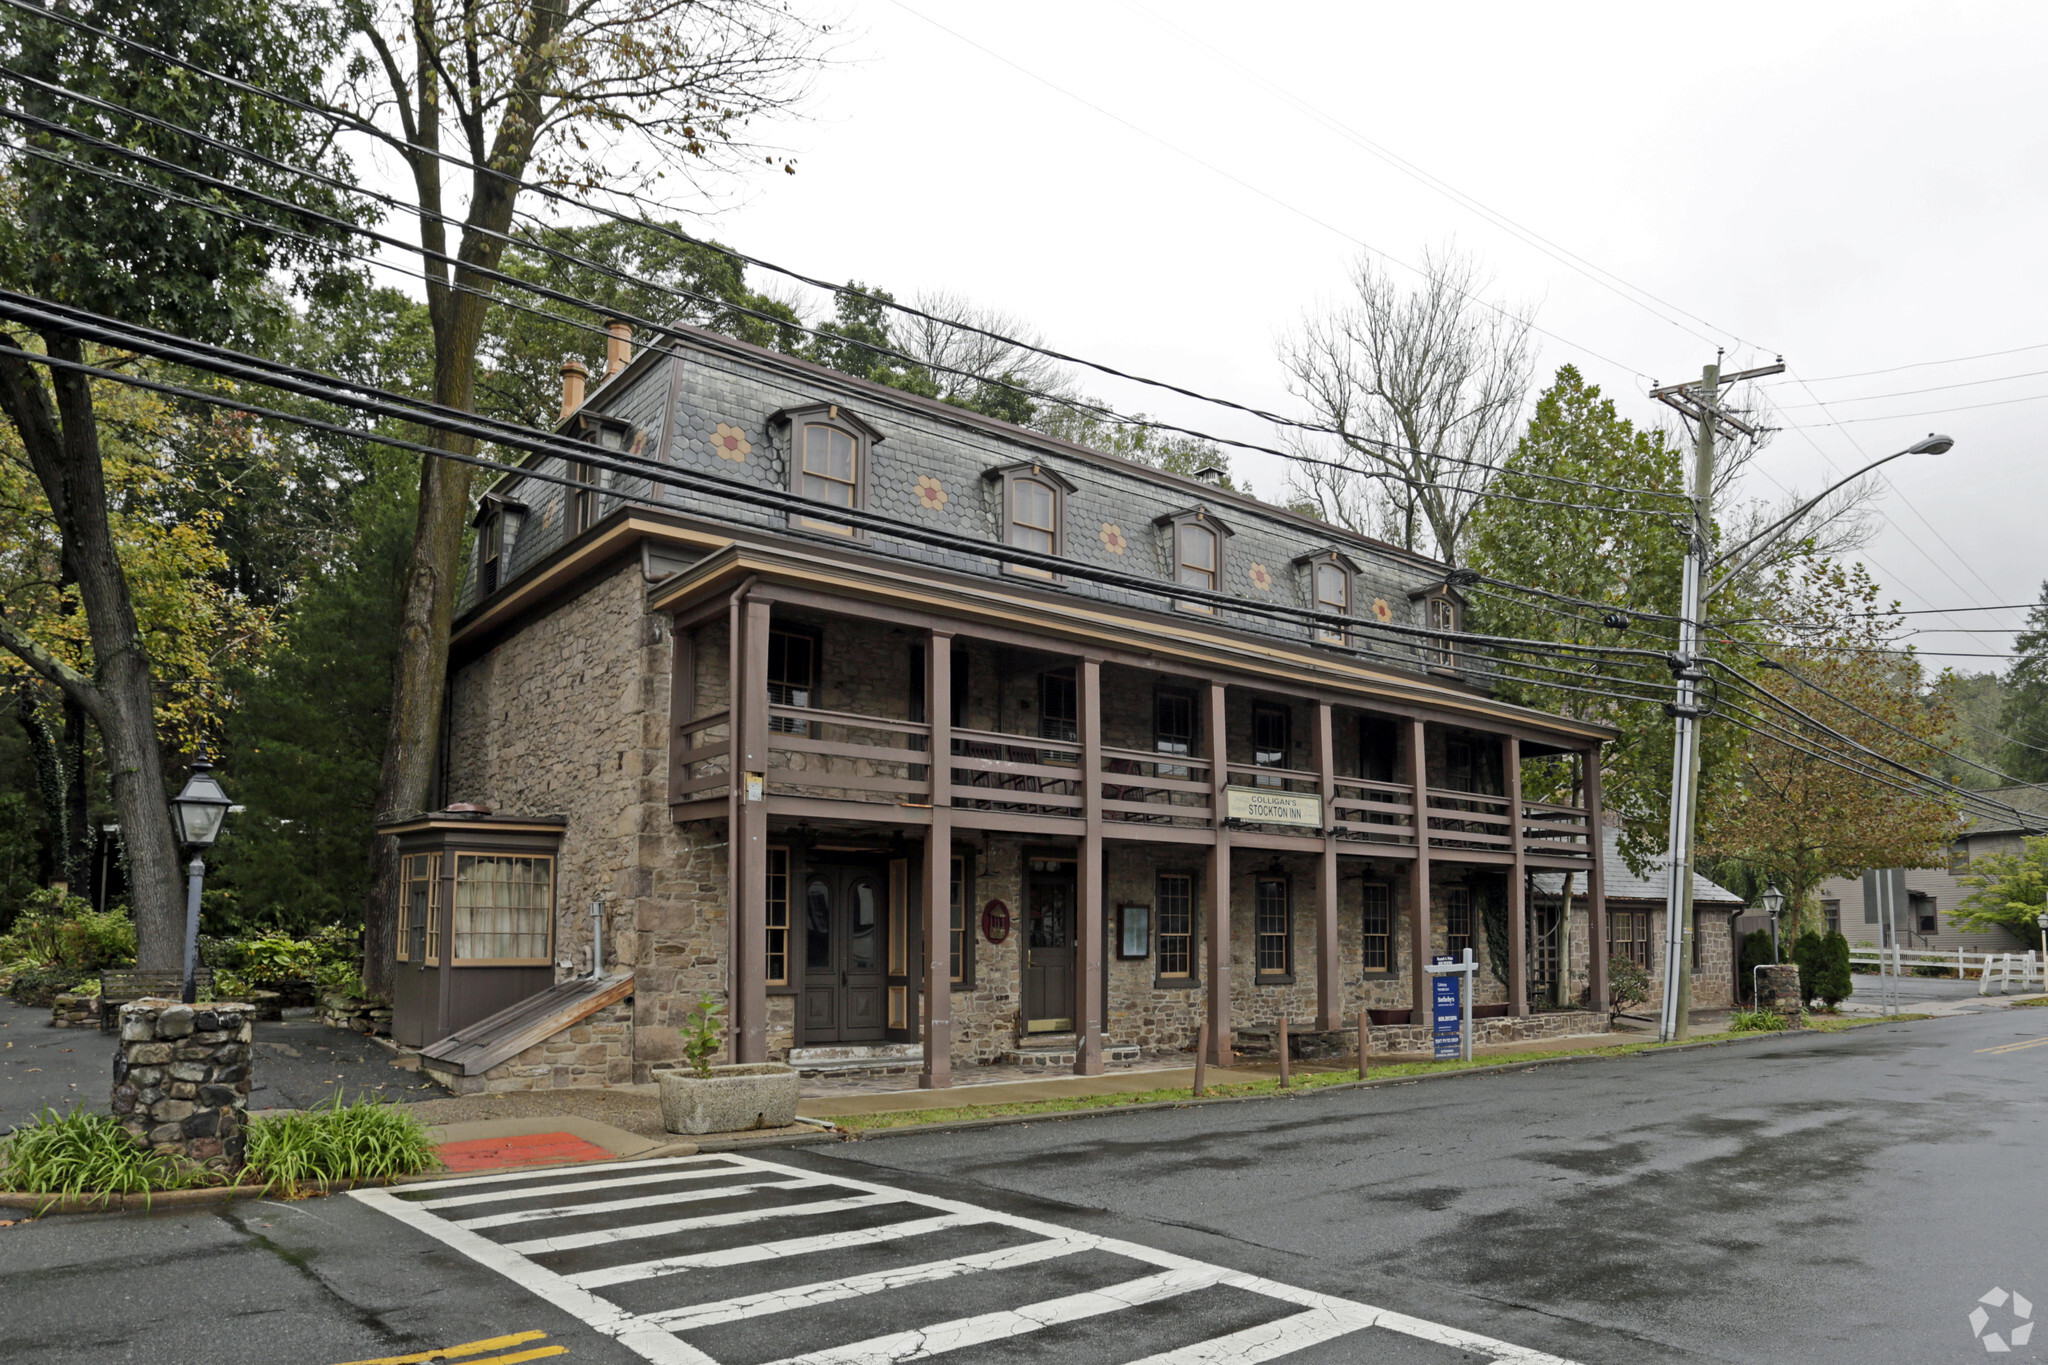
[(723, 1099)]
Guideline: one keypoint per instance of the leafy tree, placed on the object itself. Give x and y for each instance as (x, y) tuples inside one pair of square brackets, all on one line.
[(1133, 440), (2024, 716), (1978, 700), (526, 91), (2011, 890), (77, 238)]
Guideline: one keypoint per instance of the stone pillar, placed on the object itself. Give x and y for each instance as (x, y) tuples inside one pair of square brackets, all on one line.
[(1777, 990), (181, 1079)]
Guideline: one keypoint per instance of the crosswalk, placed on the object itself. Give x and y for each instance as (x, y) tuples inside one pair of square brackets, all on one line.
[(733, 1260)]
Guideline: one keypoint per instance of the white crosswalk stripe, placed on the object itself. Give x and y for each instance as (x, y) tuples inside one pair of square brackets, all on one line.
[(830, 1319)]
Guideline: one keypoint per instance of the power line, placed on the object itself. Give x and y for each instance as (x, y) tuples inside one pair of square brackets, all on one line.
[(343, 119), (1924, 412), (1916, 365), (1909, 393)]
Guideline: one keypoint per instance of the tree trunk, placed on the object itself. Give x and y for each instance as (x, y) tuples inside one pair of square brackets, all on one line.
[(80, 836), (63, 448)]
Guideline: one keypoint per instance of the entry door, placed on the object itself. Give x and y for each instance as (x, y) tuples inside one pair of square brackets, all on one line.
[(1543, 944), (845, 982), (1049, 915)]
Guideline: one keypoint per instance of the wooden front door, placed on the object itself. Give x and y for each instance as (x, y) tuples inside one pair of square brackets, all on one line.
[(845, 978), (1049, 915)]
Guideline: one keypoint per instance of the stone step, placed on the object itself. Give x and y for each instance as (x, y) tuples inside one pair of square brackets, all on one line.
[(1031, 1054), (874, 1059)]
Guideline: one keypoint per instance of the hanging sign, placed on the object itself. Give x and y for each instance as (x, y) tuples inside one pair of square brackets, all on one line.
[(1264, 806), (995, 921)]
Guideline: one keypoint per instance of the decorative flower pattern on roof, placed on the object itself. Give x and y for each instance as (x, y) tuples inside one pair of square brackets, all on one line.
[(731, 443), (1113, 538), (1262, 578), (931, 494), (1380, 609)]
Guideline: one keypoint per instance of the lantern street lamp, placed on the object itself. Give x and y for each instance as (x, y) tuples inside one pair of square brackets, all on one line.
[(200, 810), (1774, 905)]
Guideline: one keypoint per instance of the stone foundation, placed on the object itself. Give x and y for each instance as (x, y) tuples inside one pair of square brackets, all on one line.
[(1416, 1039), (75, 1011), (595, 1052), (181, 1079)]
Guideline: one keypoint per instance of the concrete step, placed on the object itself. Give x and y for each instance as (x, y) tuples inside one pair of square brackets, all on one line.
[(1037, 1054), (873, 1059)]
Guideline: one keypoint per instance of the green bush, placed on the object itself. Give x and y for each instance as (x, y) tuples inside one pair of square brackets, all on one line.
[(1756, 952), (86, 1153), (271, 958), (228, 986), (362, 1141), (1836, 982), (341, 978), (1756, 1021), (1627, 984), (36, 987), (703, 1035), (91, 939), (1809, 955)]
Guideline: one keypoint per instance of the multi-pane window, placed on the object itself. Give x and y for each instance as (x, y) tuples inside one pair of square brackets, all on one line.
[(792, 676), (1926, 919), (1198, 560), (583, 507), (1628, 936), (1831, 916), (490, 551), (504, 908), (1175, 924), (420, 878), (828, 470), (1459, 774), (1059, 708), (1443, 616), (1377, 929), (1333, 595), (1271, 727), (1034, 520), (956, 970), (1457, 920), (1173, 727), (1272, 927), (777, 955)]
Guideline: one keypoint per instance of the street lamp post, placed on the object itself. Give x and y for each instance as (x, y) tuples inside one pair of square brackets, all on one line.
[(2041, 923), (1774, 905), (200, 810)]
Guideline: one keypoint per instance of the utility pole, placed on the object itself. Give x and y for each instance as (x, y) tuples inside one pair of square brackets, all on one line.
[(1702, 403)]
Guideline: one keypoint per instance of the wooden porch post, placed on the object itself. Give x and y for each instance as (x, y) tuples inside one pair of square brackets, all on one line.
[(938, 869), (1329, 962), (1418, 878), (749, 842), (1089, 930), (1518, 880), (1596, 885), (1215, 737)]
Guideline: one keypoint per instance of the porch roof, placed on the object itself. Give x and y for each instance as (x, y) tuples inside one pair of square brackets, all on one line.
[(1624, 885)]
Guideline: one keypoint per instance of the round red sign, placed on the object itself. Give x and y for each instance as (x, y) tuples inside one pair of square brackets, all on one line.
[(995, 921)]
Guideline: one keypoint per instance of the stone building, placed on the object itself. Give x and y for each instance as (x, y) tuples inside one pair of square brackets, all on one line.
[(1204, 760)]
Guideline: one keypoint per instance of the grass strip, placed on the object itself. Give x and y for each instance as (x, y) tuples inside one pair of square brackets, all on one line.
[(1304, 1081)]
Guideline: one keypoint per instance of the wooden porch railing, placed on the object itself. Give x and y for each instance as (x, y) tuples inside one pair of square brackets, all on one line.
[(843, 755), (1555, 832), (1375, 812), (694, 746)]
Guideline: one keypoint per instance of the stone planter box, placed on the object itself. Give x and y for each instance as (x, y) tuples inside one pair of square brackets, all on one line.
[(729, 1100)]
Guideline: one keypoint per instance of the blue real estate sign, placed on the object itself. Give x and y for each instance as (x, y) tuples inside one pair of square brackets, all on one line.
[(1445, 1013)]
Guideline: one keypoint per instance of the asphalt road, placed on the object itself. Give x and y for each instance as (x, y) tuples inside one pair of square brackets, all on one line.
[(1816, 1198)]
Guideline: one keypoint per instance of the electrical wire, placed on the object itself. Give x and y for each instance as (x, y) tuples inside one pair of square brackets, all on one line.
[(1916, 365), (1913, 393)]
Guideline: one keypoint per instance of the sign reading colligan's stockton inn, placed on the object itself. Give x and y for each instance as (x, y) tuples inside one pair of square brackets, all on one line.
[(1265, 807)]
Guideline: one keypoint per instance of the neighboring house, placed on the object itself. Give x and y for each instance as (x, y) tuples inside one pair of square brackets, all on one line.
[(1635, 930), (1152, 812), (1933, 893)]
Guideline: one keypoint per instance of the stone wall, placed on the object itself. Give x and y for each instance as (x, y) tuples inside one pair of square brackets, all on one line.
[(360, 1016), (595, 1052), (75, 1011), (181, 1079)]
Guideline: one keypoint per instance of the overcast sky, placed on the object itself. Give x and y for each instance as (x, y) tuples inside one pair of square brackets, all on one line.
[(1856, 186)]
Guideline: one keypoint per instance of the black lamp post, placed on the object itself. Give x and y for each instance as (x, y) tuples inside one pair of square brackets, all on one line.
[(1774, 905), (200, 810)]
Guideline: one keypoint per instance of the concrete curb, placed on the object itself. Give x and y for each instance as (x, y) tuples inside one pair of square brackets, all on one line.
[(1111, 1110), (41, 1204)]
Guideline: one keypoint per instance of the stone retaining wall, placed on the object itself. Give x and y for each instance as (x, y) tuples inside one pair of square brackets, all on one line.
[(181, 1079), (361, 1016), (596, 1052), (75, 1011)]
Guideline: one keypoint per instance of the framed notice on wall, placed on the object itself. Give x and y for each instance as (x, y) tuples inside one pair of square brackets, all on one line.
[(1134, 931)]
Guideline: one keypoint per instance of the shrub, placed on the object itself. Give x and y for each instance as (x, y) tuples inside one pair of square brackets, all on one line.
[(1755, 1021), (1809, 956), (336, 943), (341, 978), (1627, 984), (35, 987), (86, 1153), (91, 939), (1836, 982), (1756, 952), (366, 1140), (703, 1036), (271, 958)]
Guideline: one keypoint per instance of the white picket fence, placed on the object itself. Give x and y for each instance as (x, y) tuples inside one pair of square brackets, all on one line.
[(2011, 971)]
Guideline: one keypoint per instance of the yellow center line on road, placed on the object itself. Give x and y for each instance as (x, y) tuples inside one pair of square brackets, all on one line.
[(2015, 1047), (470, 1348)]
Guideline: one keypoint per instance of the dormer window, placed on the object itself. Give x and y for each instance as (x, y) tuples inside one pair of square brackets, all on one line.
[(1328, 579), (497, 527), (828, 463), (587, 480), (1197, 548), (1443, 612), (1034, 512)]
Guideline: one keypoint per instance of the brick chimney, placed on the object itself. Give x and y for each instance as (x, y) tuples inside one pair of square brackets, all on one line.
[(574, 373), (618, 350)]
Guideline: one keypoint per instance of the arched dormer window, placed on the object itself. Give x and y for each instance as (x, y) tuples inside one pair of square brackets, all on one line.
[(497, 524), (1032, 503), (1329, 581), (829, 454), (1443, 610), (1197, 545)]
